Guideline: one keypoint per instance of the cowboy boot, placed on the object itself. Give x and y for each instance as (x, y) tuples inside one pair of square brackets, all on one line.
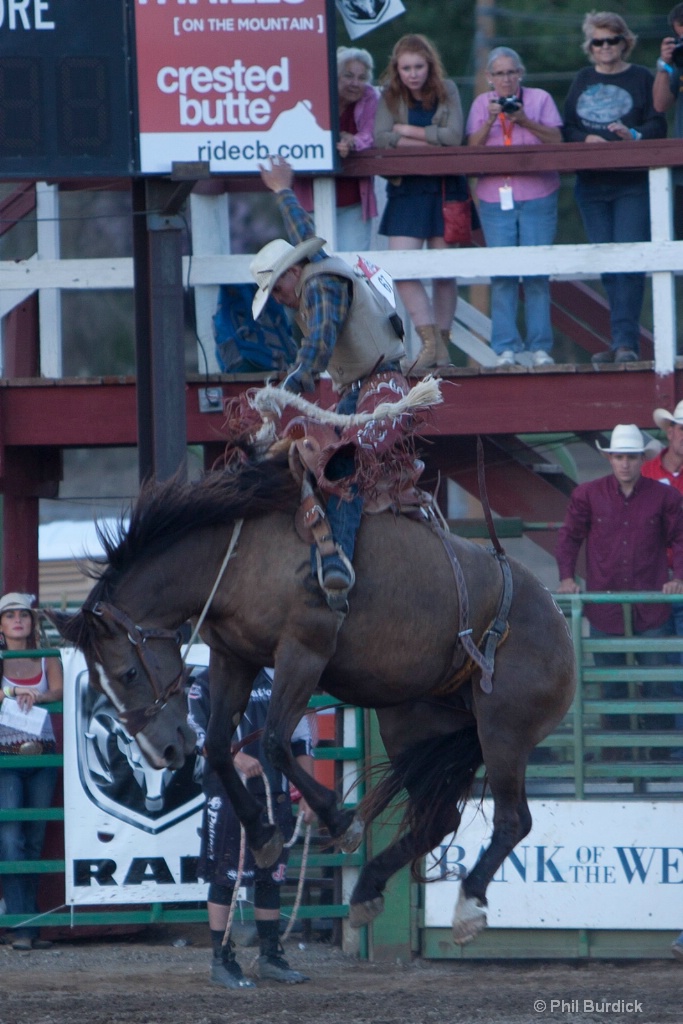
[(442, 342), (430, 336)]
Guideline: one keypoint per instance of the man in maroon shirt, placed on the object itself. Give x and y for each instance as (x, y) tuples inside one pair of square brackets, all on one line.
[(628, 523)]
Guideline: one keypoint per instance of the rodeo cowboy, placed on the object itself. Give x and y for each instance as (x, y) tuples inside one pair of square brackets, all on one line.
[(349, 331)]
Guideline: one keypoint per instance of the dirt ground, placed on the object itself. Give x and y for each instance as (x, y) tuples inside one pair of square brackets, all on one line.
[(148, 980)]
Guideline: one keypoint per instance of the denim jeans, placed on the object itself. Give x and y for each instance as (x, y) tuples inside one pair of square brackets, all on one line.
[(618, 213), (530, 222), (353, 233), (344, 516), (23, 840)]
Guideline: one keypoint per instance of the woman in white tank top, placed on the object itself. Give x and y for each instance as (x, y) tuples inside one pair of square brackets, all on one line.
[(25, 682)]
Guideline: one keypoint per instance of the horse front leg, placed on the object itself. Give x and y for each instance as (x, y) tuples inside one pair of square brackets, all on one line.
[(230, 686), (292, 689), (511, 822)]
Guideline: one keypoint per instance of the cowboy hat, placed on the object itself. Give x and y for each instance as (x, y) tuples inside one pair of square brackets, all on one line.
[(662, 417), (19, 602), (271, 262), (626, 439)]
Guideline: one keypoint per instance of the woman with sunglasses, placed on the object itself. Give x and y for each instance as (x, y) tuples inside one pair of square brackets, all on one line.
[(611, 101)]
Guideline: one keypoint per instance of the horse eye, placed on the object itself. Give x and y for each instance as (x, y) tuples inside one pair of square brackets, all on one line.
[(130, 675)]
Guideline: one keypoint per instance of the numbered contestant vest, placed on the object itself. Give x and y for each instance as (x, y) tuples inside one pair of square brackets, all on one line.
[(367, 338)]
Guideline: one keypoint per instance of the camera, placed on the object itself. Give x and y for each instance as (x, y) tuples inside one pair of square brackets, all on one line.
[(511, 104), (677, 55)]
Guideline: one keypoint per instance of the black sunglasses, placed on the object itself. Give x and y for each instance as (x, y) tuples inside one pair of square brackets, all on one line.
[(607, 41)]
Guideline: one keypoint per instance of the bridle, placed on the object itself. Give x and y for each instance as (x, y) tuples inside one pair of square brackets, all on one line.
[(136, 719)]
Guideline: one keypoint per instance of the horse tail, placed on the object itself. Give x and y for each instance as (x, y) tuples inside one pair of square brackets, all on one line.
[(438, 775)]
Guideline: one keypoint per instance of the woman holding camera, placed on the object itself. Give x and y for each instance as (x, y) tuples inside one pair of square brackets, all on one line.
[(611, 101), (516, 209)]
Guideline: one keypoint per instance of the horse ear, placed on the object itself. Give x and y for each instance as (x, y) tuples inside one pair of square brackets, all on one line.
[(70, 627)]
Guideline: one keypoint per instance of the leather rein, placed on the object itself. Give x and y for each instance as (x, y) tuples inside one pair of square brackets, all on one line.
[(136, 719)]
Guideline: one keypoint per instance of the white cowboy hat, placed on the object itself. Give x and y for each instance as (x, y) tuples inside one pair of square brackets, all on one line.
[(662, 417), (270, 263), (626, 439)]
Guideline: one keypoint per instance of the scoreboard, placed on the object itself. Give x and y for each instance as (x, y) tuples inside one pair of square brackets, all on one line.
[(119, 88), (65, 105)]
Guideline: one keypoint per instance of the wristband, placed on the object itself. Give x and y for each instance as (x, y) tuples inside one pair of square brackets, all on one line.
[(9, 691), (663, 66), (635, 135)]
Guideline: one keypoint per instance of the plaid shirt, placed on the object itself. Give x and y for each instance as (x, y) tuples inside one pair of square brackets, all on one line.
[(325, 299)]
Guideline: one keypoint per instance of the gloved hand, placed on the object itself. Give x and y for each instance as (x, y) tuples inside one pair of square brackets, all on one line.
[(298, 380)]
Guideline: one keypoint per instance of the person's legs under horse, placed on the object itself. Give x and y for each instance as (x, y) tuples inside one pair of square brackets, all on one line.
[(271, 961)]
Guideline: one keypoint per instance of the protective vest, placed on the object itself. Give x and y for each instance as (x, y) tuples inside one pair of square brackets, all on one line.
[(367, 337)]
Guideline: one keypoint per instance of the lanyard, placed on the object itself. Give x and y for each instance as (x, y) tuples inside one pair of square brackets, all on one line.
[(507, 127)]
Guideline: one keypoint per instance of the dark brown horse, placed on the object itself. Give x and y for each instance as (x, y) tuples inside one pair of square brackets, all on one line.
[(395, 652)]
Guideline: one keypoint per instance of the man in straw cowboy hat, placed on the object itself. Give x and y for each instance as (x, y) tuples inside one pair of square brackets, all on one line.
[(348, 330), (628, 524)]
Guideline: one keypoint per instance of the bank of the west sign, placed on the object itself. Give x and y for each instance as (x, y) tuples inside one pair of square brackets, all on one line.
[(590, 864)]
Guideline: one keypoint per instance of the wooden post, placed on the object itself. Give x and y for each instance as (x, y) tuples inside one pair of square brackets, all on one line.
[(160, 333)]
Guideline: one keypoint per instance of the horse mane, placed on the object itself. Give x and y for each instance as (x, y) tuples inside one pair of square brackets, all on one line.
[(166, 512)]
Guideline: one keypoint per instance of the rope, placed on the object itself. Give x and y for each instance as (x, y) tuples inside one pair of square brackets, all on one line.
[(228, 554), (288, 845), (302, 876), (421, 396), (238, 882)]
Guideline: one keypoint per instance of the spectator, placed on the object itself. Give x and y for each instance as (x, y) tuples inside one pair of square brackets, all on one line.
[(220, 849), (348, 330), (355, 197), (26, 683), (420, 107), (666, 467), (666, 92), (612, 101), (517, 209), (627, 523)]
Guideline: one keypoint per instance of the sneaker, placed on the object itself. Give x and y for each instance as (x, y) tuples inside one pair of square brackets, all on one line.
[(506, 358), (41, 944), (541, 358), (625, 355), (612, 355), (276, 968), (22, 944), (677, 949), (226, 971)]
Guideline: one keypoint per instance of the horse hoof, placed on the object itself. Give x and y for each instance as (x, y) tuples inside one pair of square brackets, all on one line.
[(270, 851), (364, 913), (468, 920), (353, 836)]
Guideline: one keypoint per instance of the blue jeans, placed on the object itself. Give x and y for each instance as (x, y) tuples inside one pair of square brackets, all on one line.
[(344, 516), (618, 213), (353, 233), (23, 840), (530, 222)]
